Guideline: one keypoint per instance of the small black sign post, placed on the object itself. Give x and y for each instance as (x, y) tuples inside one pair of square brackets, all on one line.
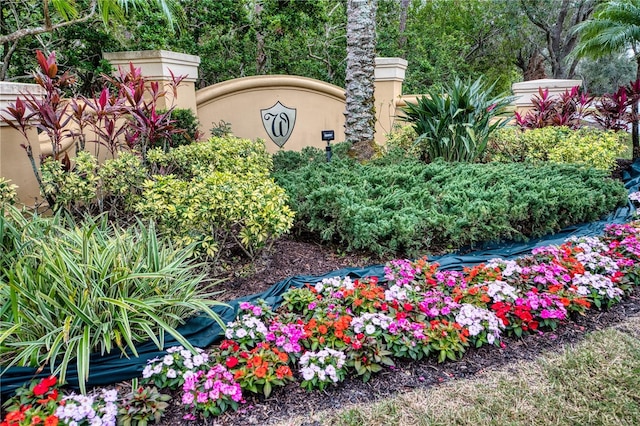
[(328, 135)]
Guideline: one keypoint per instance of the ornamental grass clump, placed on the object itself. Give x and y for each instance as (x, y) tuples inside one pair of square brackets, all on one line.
[(70, 290), (454, 123)]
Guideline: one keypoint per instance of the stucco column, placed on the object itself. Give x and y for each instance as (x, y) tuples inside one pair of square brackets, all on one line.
[(526, 90), (156, 64), (389, 76), (14, 163)]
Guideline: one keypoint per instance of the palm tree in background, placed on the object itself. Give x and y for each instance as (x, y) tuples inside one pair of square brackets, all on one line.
[(614, 28)]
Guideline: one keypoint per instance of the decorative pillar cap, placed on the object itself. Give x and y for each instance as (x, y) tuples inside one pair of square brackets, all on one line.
[(155, 64), (10, 91), (390, 69)]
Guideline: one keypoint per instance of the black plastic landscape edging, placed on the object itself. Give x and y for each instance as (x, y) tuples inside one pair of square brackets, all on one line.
[(202, 331)]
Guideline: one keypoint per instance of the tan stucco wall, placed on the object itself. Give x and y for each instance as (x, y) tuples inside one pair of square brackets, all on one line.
[(319, 106), (15, 165)]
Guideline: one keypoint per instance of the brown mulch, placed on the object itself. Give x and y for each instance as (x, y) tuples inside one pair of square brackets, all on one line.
[(290, 256)]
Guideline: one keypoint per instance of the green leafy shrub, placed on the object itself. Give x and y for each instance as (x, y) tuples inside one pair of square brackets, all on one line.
[(72, 291), (142, 405), (402, 142), (220, 196), (409, 207), (73, 188), (455, 123), (221, 129), (8, 194), (586, 146), (186, 125), (91, 186), (228, 154), (293, 160), (121, 180)]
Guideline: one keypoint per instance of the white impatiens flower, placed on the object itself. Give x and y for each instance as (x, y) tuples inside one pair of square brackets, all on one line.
[(477, 320), (364, 322), (588, 283), (500, 291), (147, 372), (329, 285), (324, 366), (307, 373), (199, 359), (508, 267)]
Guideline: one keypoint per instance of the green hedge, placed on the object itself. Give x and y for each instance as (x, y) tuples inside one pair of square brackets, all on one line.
[(406, 207)]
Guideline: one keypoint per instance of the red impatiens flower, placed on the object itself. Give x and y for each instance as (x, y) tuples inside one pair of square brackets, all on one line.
[(44, 385), (231, 362), (52, 420)]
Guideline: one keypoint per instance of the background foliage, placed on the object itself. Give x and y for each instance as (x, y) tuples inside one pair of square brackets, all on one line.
[(441, 39)]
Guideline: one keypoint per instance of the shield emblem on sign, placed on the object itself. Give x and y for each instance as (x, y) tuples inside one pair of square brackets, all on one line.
[(278, 121)]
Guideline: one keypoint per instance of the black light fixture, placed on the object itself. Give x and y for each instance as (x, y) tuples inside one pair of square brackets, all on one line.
[(328, 135)]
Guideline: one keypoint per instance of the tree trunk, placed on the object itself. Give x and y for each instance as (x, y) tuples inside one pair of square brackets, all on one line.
[(635, 130), (402, 27), (261, 55), (360, 107), (534, 69)]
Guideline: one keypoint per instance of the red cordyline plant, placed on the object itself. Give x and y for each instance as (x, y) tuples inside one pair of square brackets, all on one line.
[(48, 112), (612, 110), (126, 118), (569, 109), (147, 127)]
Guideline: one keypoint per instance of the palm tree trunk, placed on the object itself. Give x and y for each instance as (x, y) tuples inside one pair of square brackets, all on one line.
[(635, 130), (360, 107)]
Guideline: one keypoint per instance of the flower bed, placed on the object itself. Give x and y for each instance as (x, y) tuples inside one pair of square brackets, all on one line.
[(341, 326)]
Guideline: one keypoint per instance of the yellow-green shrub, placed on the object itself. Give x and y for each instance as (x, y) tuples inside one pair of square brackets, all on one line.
[(72, 188), (229, 154), (220, 196), (122, 177), (592, 147), (218, 210), (8, 194), (402, 137)]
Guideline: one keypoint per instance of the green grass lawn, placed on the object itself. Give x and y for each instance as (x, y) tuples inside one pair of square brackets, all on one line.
[(594, 382)]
